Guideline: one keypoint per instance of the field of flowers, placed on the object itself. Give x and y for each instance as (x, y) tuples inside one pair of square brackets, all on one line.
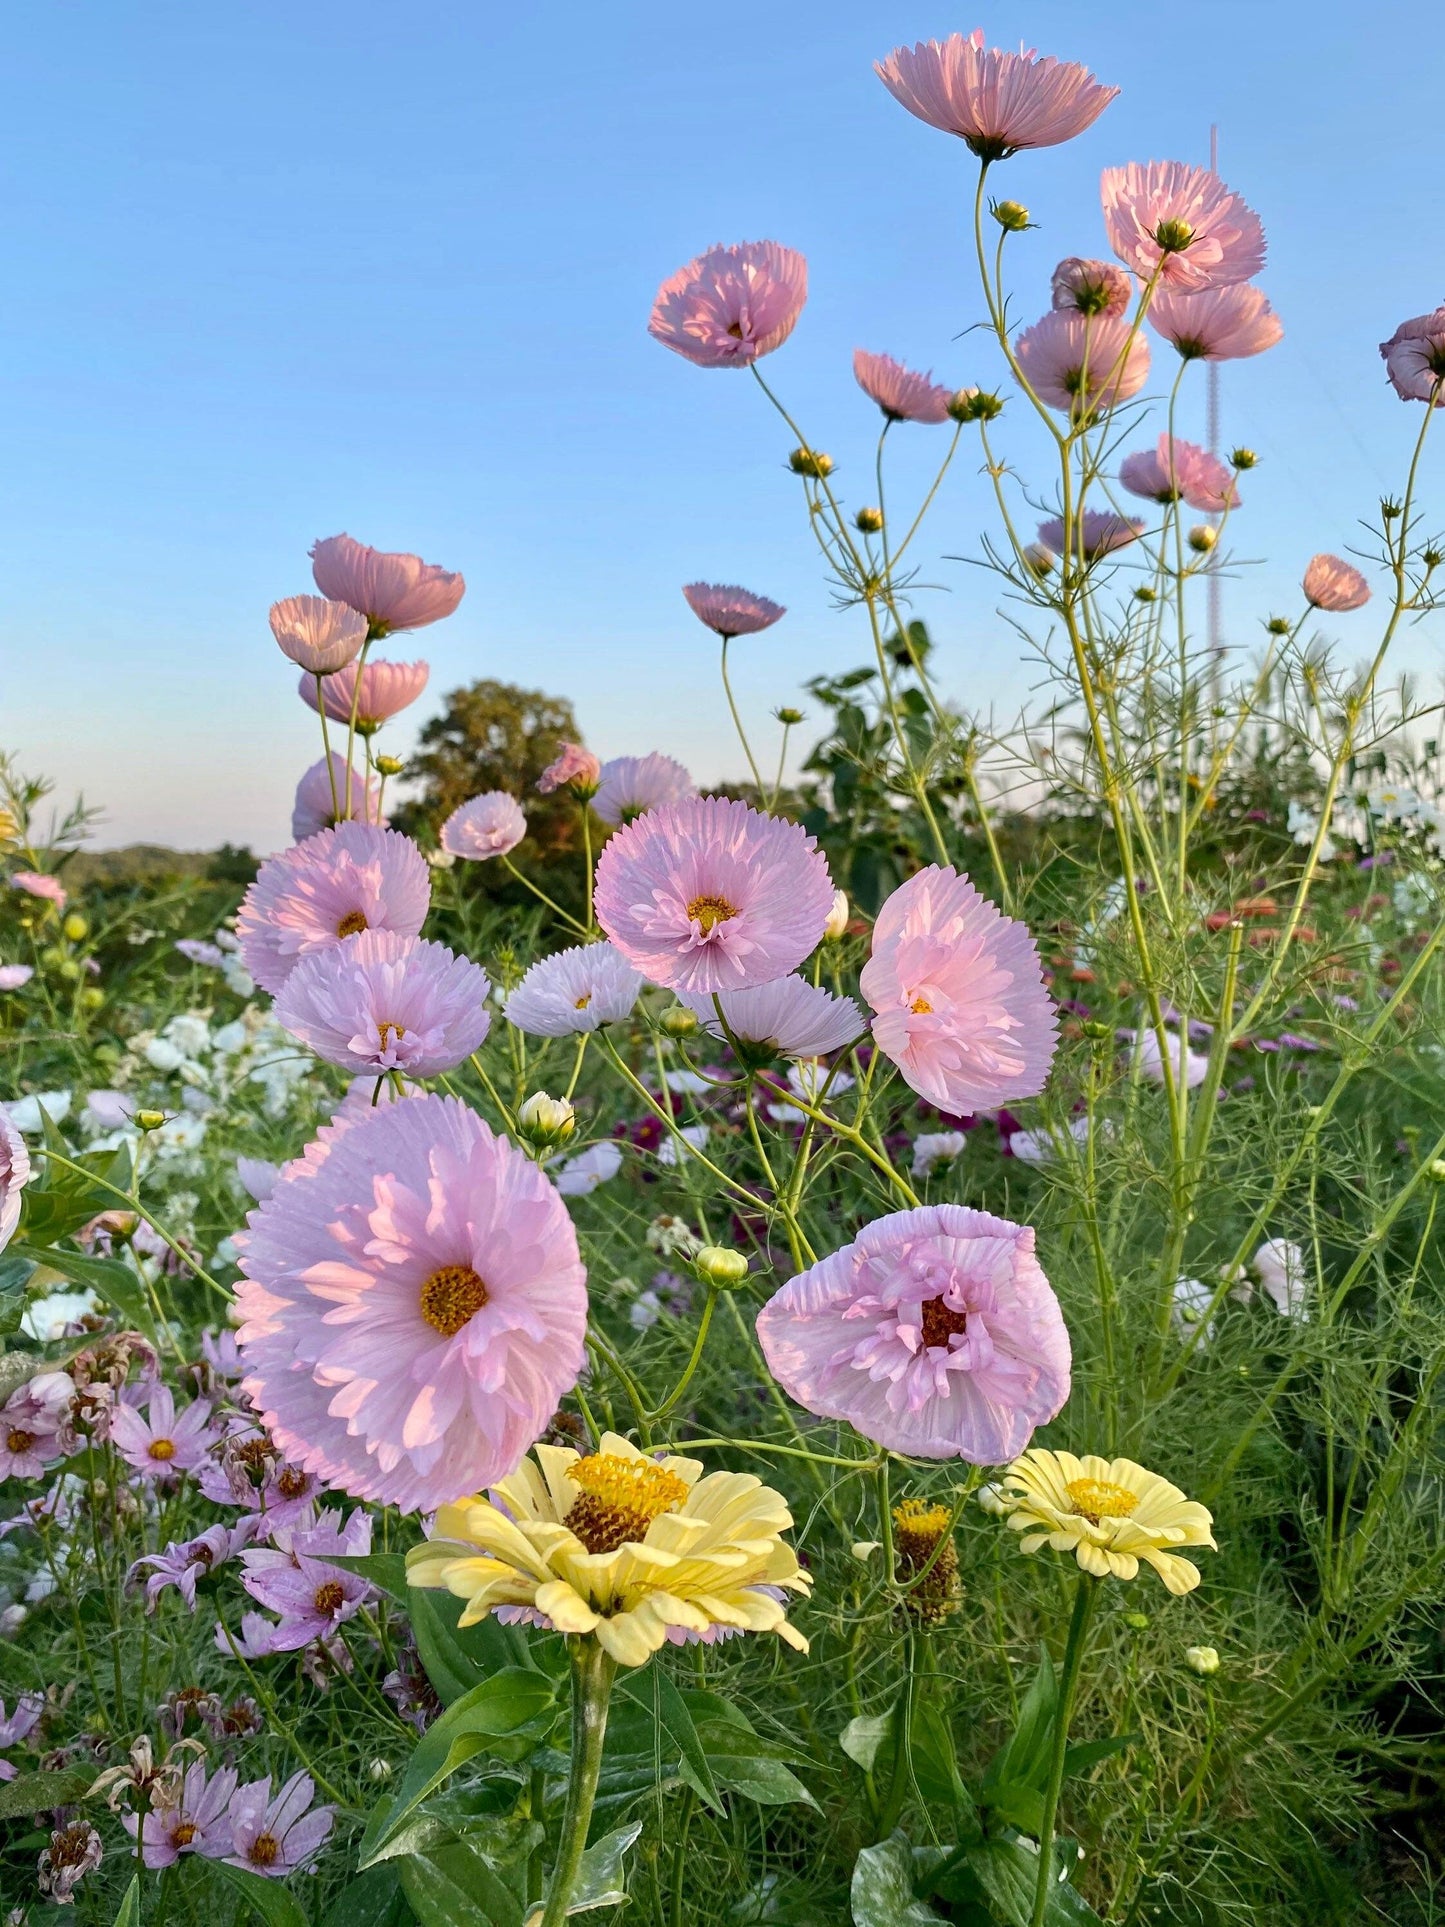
[(860, 1349)]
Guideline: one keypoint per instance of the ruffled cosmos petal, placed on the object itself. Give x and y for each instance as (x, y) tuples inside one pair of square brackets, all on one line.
[(489, 825), (729, 610), (392, 590), (574, 768), (1180, 471), (386, 689), (326, 890), (576, 990), (993, 101), (1181, 224), (1335, 585), (1222, 324), (386, 1002), (1082, 363), (902, 395), (629, 785), (1098, 532), (320, 636), (1414, 358), (356, 796), (14, 1176), (731, 305), (794, 1017)]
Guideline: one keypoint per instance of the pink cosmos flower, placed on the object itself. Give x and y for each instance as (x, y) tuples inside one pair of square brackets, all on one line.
[(393, 591), (198, 1822), (1415, 358), (414, 1305), (358, 797), (1190, 1065), (386, 689), (15, 976), (731, 305), (387, 1002), (312, 1597), (489, 825), (1180, 471), (185, 1562), (18, 1725), (789, 1018), (729, 610), (631, 784), (327, 890), (1182, 224), (902, 395), (1091, 287), (259, 1176), (995, 102), (576, 768), (36, 884), (163, 1443), (318, 635), (35, 1425), (711, 895), (1082, 363), (275, 1837), (934, 1333), (198, 950), (1335, 585), (959, 995), (1100, 532), (1222, 324), (575, 990), (14, 1176)]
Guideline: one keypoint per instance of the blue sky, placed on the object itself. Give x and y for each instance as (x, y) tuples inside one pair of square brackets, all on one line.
[(276, 271)]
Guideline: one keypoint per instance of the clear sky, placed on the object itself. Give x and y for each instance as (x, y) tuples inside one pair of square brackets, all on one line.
[(279, 270)]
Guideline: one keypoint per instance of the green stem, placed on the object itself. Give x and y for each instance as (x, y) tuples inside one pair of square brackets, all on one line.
[(556, 908), (592, 1674), (1068, 1687), (738, 721)]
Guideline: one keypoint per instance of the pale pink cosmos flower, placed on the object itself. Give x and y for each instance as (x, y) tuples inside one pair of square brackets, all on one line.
[(1180, 471), (258, 1175), (15, 976), (199, 1821), (1099, 531), (1180, 224), (903, 395), (789, 1018), (492, 824), (275, 1837), (163, 1442), (712, 895), (1334, 585), (1091, 287), (327, 890), (995, 102), (631, 784), (386, 689), (35, 1425), (357, 798), (387, 1002), (35, 883), (1082, 363), (935, 1333), (729, 610), (1415, 358), (414, 1306), (1283, 1271), (1222, 324), (731, 305), (313, 1598), (393, 591), (574, 991), (14, 1175), (575, 768), (319, 636), (959, 995)]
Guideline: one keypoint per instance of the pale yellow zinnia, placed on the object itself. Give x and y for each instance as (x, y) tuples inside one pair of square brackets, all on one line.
[(1110, 1513), (622, 1546)]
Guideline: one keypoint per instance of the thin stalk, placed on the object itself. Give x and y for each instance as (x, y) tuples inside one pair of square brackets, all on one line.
[(1068, 1689), (738, 721), (592, 1675)]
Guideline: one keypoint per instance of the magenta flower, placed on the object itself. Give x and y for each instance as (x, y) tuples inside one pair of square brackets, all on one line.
[(386, 689), (631, 784), (319, 636), (198, 1822), (17, 1725), (575, 768), (163, 1443), (489, 825), (729, 610), (959, 996), (1334, 585), (1082, 363), (35, 1425), (414, 1305), (323, 892), (1099, 531), (14, 1176), (573, 991), (35, 883), (1222, 324), (1415, 358), (789, 1018), (711, 895), (185, 1562), (1181, 224), (935, 1333), (995, 102), (1181, 471), (1091, 287), (275, 1837), (357, 797), (387, 1002), (393, 591), (732, 304), (902, 395)]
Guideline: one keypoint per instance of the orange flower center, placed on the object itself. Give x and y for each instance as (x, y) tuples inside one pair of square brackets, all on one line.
[(385, 1033), (583, 1001), (620, 1498), (921, 1007), (450, 1297), (330, 1596), (162, 1449), (1096, 1499), (183, 1835), (710, 911), (352, 924), (265, 1850), (19, 1441), (290, 1482)]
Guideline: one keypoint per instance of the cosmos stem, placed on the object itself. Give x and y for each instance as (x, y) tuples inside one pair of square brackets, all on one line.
[(1068, 1688), (592, 1675)]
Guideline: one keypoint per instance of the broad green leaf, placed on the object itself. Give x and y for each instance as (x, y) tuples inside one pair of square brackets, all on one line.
[(35, 1792), (600, 1881), (1023, 1762), (129, 1913), (1088, 1753), (1007, 1872), (862, 1738), (656, 1694), (453, 1886), (116, 1283), (270, 1901), (373, 1899), (935, 1765), (882, 1892), (456, 1660)]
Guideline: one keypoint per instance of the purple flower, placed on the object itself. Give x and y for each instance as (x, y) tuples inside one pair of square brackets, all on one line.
[(275, 1837), (384, 1002), (23, 1720), (163, 1443), (312, 1597), (185, 1562), (199, 1822), (35, 1425)]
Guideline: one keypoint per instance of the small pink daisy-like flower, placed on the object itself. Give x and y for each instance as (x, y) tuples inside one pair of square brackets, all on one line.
[(731, 305), (414, 1306), (1181, 224), (357, 798), (1180, 471), (575, 990), (14, 1176), (312, 1597), (995, 102), (575, 768), (631, 784), (1099, 530), (789, 1018), (959, 996), (729, 610), (386, 689), (393, 591), (325, 891), (1415, 358), (198, 1822), (489, 825), (934, 1333), (902, 395), (1334, 585), (1222, 324), (35, 883), (711, 895), (319, 636), (275, 1837), (387, 1002), (164, 1442), (1082, 363), (35, 1426), (17, 1726), (1091, 287)]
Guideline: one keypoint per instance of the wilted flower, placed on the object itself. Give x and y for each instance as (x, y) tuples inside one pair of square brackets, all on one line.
[(489, 825), (731, 305), (629, 785), (1220, 324), (1110, 1513), (1332, 584), (995, 102), (74, 1851), (35, 1427), (1415, 358), (902, 395), (318, 635), (392, 590), (1180, 224), (387, 1002), (730, 610), (573, 991), (927, 1561), (327, 889), (1096, 532), (1083, 364), (16, 1726)]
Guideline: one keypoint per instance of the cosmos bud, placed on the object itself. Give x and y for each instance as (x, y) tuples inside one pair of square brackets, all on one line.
[(1012, 216), (974, 405), (721, 1268), (870, 521), (1202, 1660), (808, 461), (544, 1121), (837, 923), (1202, 538), (679, 1021)]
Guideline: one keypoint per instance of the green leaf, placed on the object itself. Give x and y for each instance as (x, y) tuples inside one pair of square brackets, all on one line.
[(742, 1760), (385, 1570), (107, 1277), (600, 1881), (454, 1886), (862, 1738), (1088, 1753), (656, 1694), (882, 1891), (34, 1792), (373, 1899), (129, 1914), (456, 1660), (935, 1765), (1008, 1872), (269, 1900), (1023, 1763)]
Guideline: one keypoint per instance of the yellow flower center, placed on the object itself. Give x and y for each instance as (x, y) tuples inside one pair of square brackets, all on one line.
[(330, 1596), (352, 924), (386, 1031), (162, 1449), (620, 1498), (19, 1441), (290, 1482), (1097, 1499), (450, 1297), (583, 1001), (265, 1850), (921, 1007), (710, 911), (183, 1835)]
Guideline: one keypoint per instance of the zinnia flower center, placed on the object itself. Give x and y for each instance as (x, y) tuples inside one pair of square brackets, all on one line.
[(329, 1596), (265, 1850), (19, 1441), (184, 1834), (352, 924), (162, 1449), (620, 1499), (940, 1323), (450, 1297), (1174, 236), (290, 1482), (1097, 1499), (710, 911)]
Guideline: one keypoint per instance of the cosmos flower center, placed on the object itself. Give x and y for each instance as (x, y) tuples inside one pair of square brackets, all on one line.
[(921, 1007), (290, 1482), (709, 912), (940, 1323), (202, 1555), (19, 1441), (162, 1449), (451, 1296), (265, 1850), (620, 1498), (583, 1001), (184, 1834), (1174, 236), (386, 1031), (329, 1597), (352, 924), (735, 329), (1096, 1499)]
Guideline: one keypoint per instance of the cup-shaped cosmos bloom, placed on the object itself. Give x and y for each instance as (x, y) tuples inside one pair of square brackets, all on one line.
[(39, 883), (1082, 363), (1415, 358), (1334, 584), (934, 1333), (575, 990), (902, 394), (575, 768), (1180, 471), (1110, 1513), (631, 784), (387, 1002), (731, 305), (1091, 287), (791, 1017), (413, 1306), (386, 689), (1222, 324), (995, 102), (357, 798), (1180, 224), (324, 891), (14, 1176), (1097, 532), (711, 895), (392, 590), (492, 824), (319, 636), (730, 610)]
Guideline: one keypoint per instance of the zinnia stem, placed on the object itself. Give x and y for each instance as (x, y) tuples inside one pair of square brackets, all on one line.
[(1068, 1688), (592, 1675)]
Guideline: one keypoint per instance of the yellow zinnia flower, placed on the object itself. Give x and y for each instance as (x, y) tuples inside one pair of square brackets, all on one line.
[(1110, 1513), (620, 1545)]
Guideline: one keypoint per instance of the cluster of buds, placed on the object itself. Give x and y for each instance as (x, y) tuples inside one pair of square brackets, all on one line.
[(811, 462)]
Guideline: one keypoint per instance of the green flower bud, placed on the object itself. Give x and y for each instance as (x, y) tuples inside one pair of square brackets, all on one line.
[(1136, 1622), (974, 405), (1012, 216), (1202, 1660), (808, 461), (1202, 538), (679, 1021), (389, 766), (721, 1268), (791, 717), (544, 1121), (75, 927), (870, 521), (149, 1120), (1277, 626), (1243, 458), (1143, 593)]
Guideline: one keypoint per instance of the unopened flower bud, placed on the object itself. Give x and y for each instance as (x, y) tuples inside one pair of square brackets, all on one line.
[(808, 461), (70, 970), (870, 521), (1038, 560), (75, 927), (545, 1120), (1202, 538), (1137, 1622), (790, 717), (1243, 458), (1389, 510), (974, 405), (1143, 593), (1202, 1660), (721, 1268), (863, 1549), (91, 998), (837, 923), (149, 1120), (1010, 215), (440, 859), (679, 1021), (1432, 558), (389, 765), (380, 1770), (1278, 626), (990, 1499), (1435, 1171)]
